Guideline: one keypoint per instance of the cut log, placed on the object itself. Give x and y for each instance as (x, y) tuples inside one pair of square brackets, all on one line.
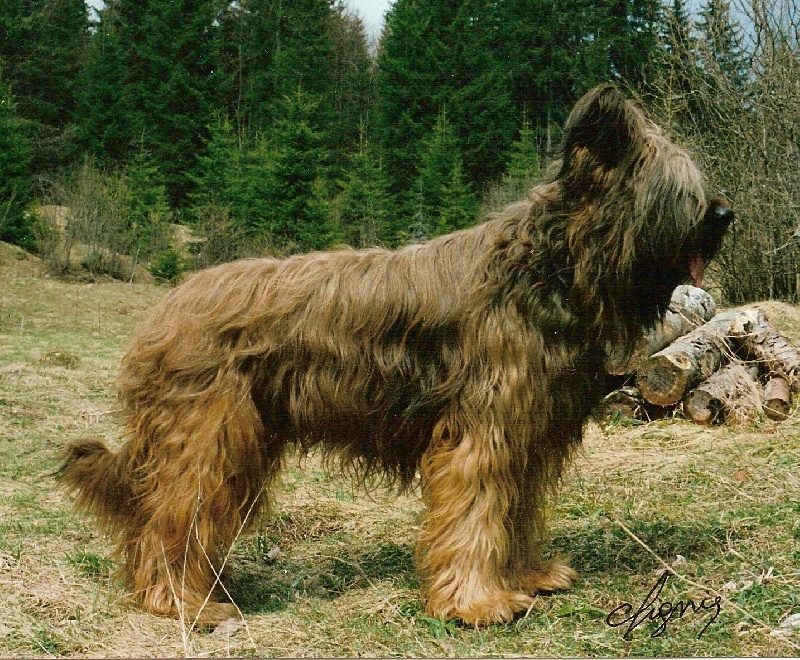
[(777, 398), (666, 376), (702, 407), (730, 393), (624, 403), (764, 344), (689, 307)]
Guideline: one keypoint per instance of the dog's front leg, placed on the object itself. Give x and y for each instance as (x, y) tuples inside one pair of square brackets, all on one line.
[(469, 486)]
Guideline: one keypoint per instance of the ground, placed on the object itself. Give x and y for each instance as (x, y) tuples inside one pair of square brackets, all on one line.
[(720, 505)]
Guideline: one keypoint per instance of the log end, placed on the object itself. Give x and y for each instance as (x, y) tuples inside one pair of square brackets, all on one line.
[(777, 398), (776, 410), (701, 407), (662, 380)]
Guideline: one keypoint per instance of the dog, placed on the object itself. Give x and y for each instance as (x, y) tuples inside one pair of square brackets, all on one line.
[(467, 365)]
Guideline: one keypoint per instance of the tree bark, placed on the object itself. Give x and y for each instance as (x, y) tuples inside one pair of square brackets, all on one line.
[(777, 398), (666, 376), (689, 307), (771, 349), (730, 393)]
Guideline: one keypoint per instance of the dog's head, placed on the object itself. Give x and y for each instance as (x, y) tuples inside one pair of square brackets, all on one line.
[(636, 217)]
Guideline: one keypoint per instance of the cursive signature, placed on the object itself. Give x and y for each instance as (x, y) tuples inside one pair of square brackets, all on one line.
[(665, 611)]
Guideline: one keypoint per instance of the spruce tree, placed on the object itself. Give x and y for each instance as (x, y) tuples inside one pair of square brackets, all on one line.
[(363, 207), (15, 198), (104, 117), (272, 48), (147, 211), (560, 50), (523, 166), (631, 27), (293, 189), (444, 201), (436, 54), (676, 65), (42, 51), (219, 166), (225, 202), (723, 45), (351, 90), (457, 207), (171, 57)]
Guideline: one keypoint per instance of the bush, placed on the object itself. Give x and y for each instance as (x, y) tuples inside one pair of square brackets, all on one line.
[(166, 265), (120, 217)]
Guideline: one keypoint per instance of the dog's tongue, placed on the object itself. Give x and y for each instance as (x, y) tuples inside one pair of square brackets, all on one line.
[(696, 269)]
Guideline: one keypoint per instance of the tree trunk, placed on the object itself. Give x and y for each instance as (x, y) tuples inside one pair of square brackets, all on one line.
[(624, 403), (777, 398), (731, 393), (689, 307), (666, 376), (767, 346)]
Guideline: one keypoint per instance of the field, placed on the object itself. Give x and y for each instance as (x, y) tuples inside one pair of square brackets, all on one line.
[(721, 506)]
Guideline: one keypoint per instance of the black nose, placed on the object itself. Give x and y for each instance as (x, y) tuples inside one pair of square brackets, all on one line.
[(719, 214)]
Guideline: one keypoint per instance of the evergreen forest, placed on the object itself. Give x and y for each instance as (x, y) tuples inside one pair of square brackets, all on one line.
[(278, 126)]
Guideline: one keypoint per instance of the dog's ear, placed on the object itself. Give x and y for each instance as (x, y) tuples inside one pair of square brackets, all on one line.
[(605, 124)]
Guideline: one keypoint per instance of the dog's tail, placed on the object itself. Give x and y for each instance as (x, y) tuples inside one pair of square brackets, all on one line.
[(100, 479)]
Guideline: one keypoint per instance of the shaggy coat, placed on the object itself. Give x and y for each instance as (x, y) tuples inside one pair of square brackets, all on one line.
[(471, 362)]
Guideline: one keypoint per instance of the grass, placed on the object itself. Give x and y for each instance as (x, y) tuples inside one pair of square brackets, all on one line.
[(721, 506)]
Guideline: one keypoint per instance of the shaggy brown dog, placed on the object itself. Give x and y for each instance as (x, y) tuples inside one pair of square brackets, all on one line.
[(473, 360)]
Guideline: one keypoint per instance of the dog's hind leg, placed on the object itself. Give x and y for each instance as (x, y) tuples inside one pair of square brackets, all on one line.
[(202, 479), (469, 485)]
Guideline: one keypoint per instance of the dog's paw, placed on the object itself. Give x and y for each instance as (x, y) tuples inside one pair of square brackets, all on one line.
[(212, 615), (498, 607), (553, 575)]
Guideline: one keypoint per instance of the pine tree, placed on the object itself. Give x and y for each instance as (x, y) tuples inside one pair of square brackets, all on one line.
[(104, 115), (226, 206), (678, 28), (363, 207), (171, 58), (676, 64), (547, 73), (478, 99), (436, 54), (272, 49), (439, 154), (147, 211), (293, 190), (568, 48), (631, 30), (15, 198), (351, 90), (219, 166), (523, 167), (723, 44), (458, 206), (444, 201), (42, 51)]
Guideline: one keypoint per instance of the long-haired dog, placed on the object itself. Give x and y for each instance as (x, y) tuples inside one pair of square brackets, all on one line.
[(468, 364)]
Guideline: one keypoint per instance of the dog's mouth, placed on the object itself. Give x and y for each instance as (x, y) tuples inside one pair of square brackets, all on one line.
[(717, 218)]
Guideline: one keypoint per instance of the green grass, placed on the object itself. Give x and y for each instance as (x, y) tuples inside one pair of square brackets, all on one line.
[(720, 505)]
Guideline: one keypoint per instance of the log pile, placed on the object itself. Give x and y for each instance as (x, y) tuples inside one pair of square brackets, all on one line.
[(733, 366)]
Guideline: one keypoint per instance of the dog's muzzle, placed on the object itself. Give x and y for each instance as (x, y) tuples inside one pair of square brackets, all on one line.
[(718, 217), (710, 232)]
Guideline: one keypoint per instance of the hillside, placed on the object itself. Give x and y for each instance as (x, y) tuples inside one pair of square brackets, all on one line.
[(721, 505)]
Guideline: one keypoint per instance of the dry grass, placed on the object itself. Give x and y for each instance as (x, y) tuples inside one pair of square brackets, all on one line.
[(720, 505)]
